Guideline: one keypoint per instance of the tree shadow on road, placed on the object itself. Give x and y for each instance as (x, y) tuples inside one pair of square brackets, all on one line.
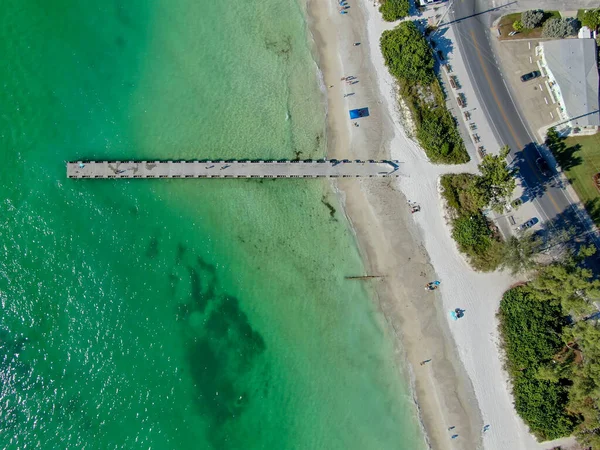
[(534, 183), (442, 46), (566, 232)]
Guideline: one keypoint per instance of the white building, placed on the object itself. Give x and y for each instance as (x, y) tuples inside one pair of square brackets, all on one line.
[(572, 71)]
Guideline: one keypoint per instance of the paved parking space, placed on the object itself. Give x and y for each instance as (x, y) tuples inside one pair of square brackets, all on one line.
[(532, 98)]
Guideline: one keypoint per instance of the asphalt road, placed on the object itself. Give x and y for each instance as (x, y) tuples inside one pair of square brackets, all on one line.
[(471, 21)]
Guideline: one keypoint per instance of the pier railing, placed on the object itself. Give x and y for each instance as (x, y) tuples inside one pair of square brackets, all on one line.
[(324, 168)]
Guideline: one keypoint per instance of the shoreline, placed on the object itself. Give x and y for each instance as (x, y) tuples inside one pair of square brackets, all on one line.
[(381, 220), (465, 386)]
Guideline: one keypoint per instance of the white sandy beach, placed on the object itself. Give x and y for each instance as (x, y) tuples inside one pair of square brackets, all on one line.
[(464, 385)]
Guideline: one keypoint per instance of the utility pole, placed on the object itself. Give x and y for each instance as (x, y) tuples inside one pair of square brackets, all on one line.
[(444, 15)]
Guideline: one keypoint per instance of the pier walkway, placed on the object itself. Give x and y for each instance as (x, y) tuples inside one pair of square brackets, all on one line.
[(231, 169)]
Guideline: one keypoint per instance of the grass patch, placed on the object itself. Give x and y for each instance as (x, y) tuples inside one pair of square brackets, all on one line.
[(410, 60), (579, 158), (506, 26)]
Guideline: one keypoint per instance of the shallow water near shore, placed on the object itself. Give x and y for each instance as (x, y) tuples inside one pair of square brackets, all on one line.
[(179, 314)]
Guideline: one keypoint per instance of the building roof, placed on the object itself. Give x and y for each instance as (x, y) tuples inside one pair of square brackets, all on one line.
[(572, 63)]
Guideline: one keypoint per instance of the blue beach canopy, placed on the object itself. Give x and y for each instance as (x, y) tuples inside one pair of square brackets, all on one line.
[(358, 113)]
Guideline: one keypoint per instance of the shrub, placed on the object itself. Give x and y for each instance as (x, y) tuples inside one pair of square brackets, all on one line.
[(530, 329), (591, 19), (542, 405), (531, 332), (474, 238), (472, 234), (559, 28), (439, 136), (518, 25), (410, 60), (460, 194), (470, 228), (392, 10), (407, 54), (532, 18)]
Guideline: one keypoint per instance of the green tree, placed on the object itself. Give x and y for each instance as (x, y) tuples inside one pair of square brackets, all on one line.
[(392, 10), (584, 395), (532, 18), (407, 54), (518, 25), (542, 405), (519, 253), (591, 18), (531, 333), (497, 180), (559, 27), (568, 283)]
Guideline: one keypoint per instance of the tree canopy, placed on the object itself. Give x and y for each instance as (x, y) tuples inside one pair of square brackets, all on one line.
[(551, 337), (519, 252), (392, 10), (559, 27), (410, 60), (568, 283), (531, 333), (591, 18), (532, 18), (407, 54), (497, 180)]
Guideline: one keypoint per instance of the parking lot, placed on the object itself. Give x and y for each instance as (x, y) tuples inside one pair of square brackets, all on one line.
[(532, 98)]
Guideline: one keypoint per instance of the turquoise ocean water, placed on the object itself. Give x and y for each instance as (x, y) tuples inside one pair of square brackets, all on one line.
[(178, 314)]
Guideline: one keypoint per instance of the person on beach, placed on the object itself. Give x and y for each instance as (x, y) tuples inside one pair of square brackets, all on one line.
[(451, 428), (356, 44), (485, 428), (432, 285), (454, 436), (425, 361)]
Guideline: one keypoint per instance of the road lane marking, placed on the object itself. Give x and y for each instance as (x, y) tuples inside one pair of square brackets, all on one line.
[(510, 128)]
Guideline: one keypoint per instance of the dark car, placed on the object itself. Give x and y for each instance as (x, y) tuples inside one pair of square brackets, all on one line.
[(531, 75), (543, 166), (528, 224)]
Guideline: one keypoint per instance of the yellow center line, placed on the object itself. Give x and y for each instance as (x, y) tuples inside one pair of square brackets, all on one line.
[(505, 117)]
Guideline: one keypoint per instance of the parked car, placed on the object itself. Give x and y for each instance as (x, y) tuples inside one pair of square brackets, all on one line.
[(531, 75), (528, 224), (543, 166)]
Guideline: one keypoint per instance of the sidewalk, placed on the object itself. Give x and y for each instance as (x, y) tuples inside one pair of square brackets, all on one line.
[(475, 117)]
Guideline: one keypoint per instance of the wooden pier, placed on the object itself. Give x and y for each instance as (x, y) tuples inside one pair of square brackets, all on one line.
[(232, 169)]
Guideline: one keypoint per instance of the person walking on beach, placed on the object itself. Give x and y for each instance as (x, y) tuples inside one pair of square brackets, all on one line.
[(425, 361)]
